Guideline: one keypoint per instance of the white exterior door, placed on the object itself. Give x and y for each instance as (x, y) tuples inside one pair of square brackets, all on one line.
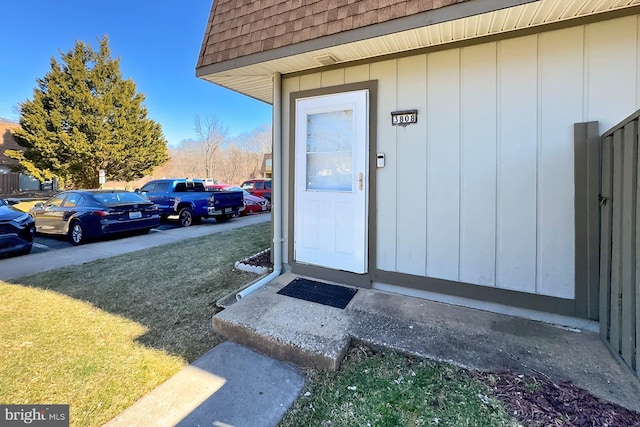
[(331, 178)]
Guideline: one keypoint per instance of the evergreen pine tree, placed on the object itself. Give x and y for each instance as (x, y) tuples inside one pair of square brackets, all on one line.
[(85, 117)]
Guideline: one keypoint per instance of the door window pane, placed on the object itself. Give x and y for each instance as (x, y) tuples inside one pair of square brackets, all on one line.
[(56, 201), (149, 188), (329, 151), (72, 200), (162, 187)]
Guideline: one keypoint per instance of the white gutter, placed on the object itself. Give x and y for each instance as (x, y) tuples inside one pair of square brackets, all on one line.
[(276, 190)]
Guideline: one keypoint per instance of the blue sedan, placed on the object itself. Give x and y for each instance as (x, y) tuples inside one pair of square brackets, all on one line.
[(89, 214)]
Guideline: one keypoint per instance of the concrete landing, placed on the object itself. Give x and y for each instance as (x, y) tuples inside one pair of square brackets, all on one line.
[(229, 386), (315, 335), (300, 332)]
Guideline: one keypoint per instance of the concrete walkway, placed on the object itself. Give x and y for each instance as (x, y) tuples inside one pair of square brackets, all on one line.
[(228, 386), (20, 266)]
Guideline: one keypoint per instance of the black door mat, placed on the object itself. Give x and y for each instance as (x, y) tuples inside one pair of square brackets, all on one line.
[(322, 293)]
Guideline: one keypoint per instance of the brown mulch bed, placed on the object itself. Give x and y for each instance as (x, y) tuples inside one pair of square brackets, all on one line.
[(536, 401), (260, 260)]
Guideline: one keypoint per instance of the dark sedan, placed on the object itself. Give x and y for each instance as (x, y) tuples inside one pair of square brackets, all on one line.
[(88, 214), (17, 230)]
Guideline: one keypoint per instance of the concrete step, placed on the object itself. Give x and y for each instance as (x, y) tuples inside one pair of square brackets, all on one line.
[(305, 334)]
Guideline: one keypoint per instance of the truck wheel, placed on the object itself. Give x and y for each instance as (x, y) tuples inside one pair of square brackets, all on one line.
[(186, 217), (221, 218)]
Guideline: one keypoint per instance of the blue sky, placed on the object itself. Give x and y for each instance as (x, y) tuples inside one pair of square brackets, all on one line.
[(158, 43)]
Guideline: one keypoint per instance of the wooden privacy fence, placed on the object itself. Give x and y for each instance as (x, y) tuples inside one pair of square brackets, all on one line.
[(9, 183), (620, 242)]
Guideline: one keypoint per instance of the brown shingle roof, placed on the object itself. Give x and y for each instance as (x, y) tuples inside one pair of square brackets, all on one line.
[(238, 28)]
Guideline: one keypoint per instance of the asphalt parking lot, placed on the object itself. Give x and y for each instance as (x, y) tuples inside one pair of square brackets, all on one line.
[(46, 243), (50, 253)]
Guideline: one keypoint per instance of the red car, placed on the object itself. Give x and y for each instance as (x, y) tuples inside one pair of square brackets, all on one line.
[(252, 204), (258, 187)]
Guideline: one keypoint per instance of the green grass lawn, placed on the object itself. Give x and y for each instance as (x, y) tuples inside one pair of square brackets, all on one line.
[(100, 335), (385, 389)]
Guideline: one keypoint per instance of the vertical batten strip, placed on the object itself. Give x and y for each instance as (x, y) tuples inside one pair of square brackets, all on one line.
[(606, 212), (616, 238), (636, 284), (628, 252)]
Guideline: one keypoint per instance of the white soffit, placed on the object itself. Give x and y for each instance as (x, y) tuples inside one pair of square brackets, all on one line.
[(256, 81)]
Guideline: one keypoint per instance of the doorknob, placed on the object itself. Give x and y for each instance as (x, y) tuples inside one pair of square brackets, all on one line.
[(360, 181)]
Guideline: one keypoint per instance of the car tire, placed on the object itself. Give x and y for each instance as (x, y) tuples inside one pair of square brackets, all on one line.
[(186, 217), (76, 233)]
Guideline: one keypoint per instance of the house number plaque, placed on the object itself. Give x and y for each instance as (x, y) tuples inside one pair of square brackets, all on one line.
[(403, 118)]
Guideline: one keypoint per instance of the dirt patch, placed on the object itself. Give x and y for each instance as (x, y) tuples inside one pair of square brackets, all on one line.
[(536, 401)]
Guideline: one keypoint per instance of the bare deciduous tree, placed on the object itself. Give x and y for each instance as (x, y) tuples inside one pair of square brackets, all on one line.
[(212, 134), (230, 160)]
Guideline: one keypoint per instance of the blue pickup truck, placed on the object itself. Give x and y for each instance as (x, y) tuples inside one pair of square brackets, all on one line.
[(190, 200)]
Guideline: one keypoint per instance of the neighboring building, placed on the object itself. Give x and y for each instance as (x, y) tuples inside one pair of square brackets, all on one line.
[(7, 142), (430, 147), (10, 181), (267, 166)]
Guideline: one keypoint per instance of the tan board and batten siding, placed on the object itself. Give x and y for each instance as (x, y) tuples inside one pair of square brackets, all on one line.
[(494, 205)]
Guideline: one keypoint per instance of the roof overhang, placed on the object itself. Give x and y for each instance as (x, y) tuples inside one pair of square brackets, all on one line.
[(465, 23)]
